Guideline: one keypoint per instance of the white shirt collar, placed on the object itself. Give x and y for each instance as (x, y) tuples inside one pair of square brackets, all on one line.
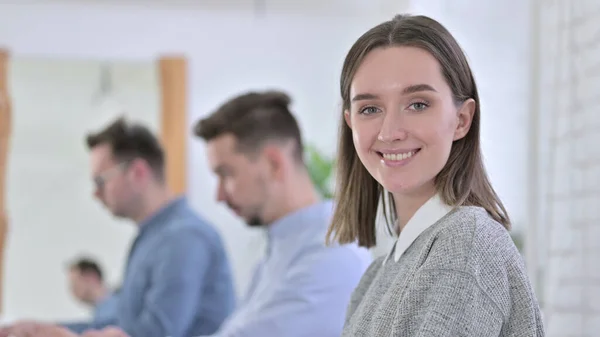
[(427, 215)]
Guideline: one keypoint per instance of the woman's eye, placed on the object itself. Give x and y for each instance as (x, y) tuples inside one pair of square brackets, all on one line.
[(369, 110), (419, 106)]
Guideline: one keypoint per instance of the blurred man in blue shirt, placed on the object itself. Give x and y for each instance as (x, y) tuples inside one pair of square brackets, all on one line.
[(177, 278), (87, 285), (302, 287)]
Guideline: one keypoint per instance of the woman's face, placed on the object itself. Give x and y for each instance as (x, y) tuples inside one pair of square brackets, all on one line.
[(404, 119)]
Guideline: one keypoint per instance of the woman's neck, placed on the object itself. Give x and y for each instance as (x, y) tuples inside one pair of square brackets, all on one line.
[(407, 204)]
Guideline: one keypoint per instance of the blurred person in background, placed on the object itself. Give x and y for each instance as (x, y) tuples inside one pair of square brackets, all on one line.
[(87, 285), (177, 278), (302, 287)]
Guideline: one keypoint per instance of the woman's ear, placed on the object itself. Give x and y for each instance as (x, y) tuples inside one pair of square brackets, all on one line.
[(347, 118), (465, 117)]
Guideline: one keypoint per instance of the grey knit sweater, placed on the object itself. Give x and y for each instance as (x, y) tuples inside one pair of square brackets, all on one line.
[(462, 276)]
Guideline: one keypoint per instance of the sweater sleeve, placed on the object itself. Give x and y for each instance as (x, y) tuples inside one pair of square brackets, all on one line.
[(361, 288), (440, 303)]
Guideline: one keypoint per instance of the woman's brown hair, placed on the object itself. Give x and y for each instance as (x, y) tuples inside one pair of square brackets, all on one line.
[(462, 182)]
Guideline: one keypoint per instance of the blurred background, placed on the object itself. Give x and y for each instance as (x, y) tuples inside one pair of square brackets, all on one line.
[(74, 65)]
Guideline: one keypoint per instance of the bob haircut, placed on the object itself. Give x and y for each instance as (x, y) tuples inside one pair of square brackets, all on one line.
[(462, 182)]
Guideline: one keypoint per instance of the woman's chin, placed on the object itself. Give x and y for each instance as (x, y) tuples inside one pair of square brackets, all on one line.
[(405, 186), (400, 190), (396, 187)]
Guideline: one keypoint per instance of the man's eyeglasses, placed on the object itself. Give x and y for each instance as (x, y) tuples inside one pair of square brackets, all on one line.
[(101, 179)]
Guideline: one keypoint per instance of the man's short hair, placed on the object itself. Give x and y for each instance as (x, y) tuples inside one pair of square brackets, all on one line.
[(129, 141), (254, 118), (87, 266)]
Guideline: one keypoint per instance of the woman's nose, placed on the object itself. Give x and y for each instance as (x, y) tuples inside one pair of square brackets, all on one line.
[(393, 127)]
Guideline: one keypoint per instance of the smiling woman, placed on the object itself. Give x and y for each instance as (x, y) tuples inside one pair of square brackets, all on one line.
[(410, 137)]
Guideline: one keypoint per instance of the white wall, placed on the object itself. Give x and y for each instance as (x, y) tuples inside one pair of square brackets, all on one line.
[(568, 50)]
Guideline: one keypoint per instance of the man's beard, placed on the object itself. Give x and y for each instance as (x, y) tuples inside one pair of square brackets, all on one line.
[(252, 221), (255, 221)]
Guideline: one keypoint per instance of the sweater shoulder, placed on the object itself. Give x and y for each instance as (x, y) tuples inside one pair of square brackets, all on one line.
[(470, 241), (469, 236)]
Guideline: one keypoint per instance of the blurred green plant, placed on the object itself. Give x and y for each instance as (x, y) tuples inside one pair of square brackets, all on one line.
[(321, 169)]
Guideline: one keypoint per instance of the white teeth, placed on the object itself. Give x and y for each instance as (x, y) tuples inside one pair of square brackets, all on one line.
[(398, 156)]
